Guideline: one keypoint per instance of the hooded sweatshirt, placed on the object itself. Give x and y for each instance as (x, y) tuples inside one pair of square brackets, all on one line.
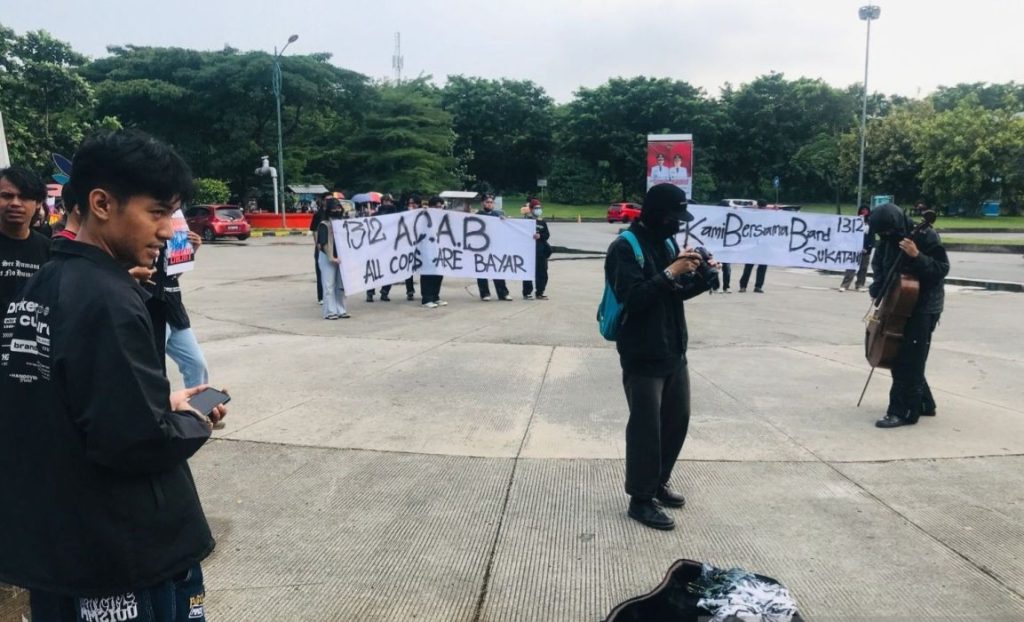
[(930, 267)]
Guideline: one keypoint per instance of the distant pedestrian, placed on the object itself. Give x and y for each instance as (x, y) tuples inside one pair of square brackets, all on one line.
[(330, 264), (430, 284), (487, 209), (22, 250), (318, 217), (865, 255), (748, 268), (541, 235)]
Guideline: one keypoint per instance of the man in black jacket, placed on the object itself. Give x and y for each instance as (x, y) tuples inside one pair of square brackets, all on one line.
[(101, 518), (541, 235), (500, 288), (652, 348), (921, 255)]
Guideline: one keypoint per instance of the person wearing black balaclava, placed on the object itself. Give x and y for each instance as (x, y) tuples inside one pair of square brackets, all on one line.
[(921, 255), (651, 342), (330, 264)]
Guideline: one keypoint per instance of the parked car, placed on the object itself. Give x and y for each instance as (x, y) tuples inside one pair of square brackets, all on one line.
[(738, 203), (218, 221), (623, 212)]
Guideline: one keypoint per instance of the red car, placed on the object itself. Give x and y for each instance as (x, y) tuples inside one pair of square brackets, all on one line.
[(624, 212), (218, 221)]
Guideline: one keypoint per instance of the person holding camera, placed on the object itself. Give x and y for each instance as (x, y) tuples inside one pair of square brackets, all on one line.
[(652, 347)]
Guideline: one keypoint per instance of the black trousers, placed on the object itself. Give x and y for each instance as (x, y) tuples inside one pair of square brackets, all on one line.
[(430, 287), (319, 279), (726, 275), (410, 288), (861, 272), (758, 281), (499, 287), (910, 394), (542, 277), (659, 416)]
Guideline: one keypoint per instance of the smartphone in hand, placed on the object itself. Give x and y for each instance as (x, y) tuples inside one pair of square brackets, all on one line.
[(208, 399)]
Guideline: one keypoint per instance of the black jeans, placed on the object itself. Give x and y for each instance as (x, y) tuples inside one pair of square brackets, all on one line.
[(178, 600), (861, 272), (726, 273), (910, 394), (410, 288), (430, 287), (542, 277), (319, 279), (758, 281), (659, 416), (499, 287)]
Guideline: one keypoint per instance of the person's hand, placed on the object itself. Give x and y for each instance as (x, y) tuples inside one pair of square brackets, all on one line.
[(536, 236), (195, 240), (685, 263), (142, 274), (907, 246), (180, 403), (336, 261)]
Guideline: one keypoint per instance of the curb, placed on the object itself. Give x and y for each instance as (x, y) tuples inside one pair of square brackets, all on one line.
[(985, 248), (277, 233)]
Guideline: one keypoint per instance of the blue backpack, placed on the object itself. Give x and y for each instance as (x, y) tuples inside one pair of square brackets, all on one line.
[(609, 312)]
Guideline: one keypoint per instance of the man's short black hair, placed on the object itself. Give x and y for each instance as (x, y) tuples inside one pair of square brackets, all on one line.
[(29, 184), (129, 163), (67, 197), (435, 201)]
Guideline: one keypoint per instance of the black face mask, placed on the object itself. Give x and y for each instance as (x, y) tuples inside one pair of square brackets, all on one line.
[(666, 228), (337, 215)]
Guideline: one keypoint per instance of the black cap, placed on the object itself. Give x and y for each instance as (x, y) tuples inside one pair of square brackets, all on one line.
[(667, 198)]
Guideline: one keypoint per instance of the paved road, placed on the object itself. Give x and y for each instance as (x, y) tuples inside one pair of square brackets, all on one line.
[(982, 266), (465, 463)]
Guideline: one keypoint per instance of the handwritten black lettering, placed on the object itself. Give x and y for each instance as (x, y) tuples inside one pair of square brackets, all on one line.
[(445, 229), (477, 230), (403, 232)]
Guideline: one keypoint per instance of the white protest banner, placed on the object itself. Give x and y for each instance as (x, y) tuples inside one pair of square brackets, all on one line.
[(381, 250), (180, 254), (776, 238)]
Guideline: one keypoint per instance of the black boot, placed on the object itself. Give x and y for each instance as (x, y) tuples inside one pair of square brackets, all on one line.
[(646, 512), (670, 499)]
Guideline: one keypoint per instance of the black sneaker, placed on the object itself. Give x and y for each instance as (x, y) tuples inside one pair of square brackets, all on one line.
[(384, 298), (894, 421), (542, 296), (758, 290), (646, 512), (409, 296), (369, 298), (670, 499)]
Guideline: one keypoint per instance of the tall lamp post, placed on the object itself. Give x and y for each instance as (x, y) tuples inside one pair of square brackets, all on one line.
[(276, 83), (867, 13)]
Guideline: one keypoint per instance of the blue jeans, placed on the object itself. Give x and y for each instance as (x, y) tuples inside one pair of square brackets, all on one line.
[(184, 350), (177, 600), (334, 289)]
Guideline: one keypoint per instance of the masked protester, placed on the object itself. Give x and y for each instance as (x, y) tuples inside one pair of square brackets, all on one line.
[(541, 236), (330, 265), (921, 255), (652, 348)]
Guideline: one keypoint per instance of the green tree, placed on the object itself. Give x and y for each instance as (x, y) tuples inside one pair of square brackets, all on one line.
[(218, 109), (406, 141), (970, 154), (211, 190), (507, 126), (47, 107), (608, 126), (818, 163)]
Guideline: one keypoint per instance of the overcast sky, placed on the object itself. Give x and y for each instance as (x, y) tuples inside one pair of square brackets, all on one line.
[(916, 45)]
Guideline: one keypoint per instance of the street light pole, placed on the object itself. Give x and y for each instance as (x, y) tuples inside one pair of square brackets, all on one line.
[(866, 13), (275, 82)]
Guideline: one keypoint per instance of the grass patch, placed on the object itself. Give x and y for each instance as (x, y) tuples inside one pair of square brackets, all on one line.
[(955, 239)]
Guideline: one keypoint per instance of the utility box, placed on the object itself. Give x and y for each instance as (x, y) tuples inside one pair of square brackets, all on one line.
[(990, 208)]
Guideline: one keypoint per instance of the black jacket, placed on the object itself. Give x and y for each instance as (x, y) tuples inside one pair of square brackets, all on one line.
[(652, 339), (543, 246), (930, 267), (97, 495)]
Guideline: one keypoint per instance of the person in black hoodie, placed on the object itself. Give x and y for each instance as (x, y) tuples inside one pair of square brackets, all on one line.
[(921, 255), (101, 518), (652, 347), (541, 235)]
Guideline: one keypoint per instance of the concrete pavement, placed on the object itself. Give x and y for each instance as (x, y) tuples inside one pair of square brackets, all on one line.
[(465, 463)]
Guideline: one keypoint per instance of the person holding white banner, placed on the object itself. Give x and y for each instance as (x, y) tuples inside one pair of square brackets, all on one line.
[(330, 265), (499, 284)]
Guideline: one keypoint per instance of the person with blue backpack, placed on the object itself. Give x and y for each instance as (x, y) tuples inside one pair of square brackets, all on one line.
[(647, 279)]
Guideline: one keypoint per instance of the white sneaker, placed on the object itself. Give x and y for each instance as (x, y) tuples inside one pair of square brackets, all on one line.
[(430, 305), (442, 303), (842, 289), (485, 298)]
